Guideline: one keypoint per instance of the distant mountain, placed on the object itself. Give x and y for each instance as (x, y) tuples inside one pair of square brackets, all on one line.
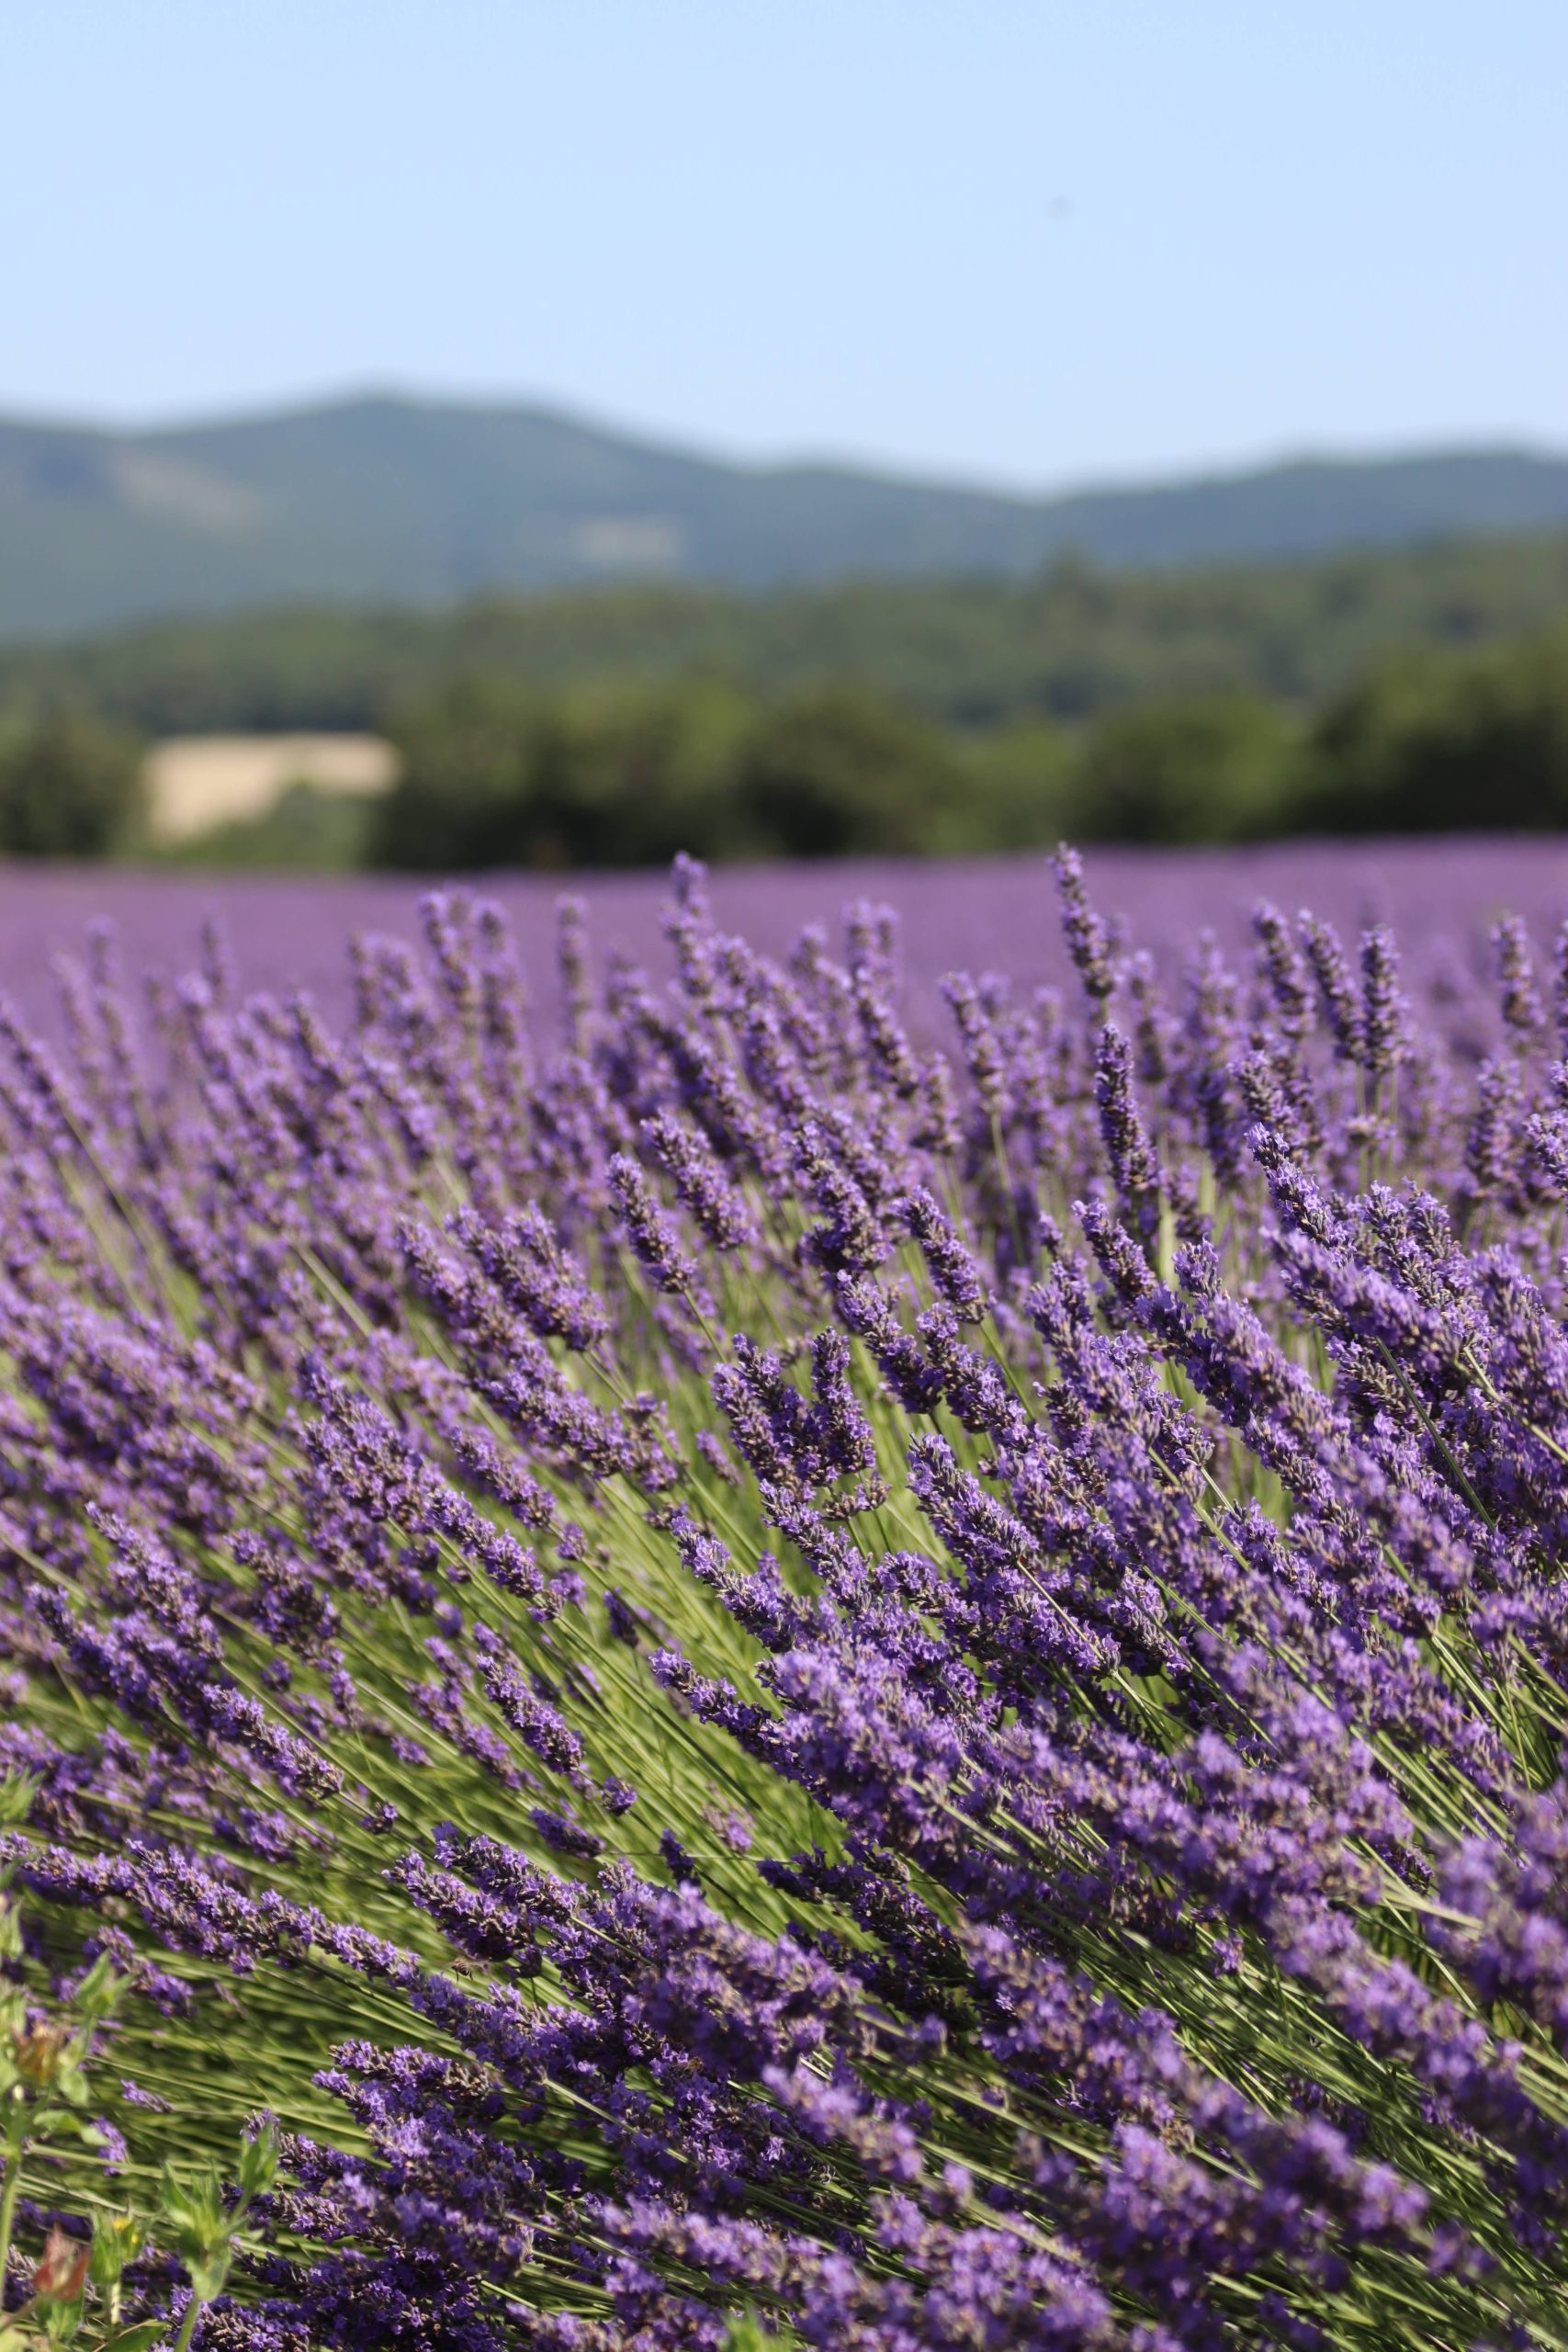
[(403, 502)]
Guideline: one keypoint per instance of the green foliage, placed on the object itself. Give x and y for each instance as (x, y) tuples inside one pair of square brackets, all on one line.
[(75, 2288), (1071, 643), (68, 788), (1427, 745), (465, 756), (1431, 741), (629, 777), (746, 2334), (306, 830), (837, 772), (494, 775), (1417, 692), (203, 2221), (1018, 793), (1209, 768)]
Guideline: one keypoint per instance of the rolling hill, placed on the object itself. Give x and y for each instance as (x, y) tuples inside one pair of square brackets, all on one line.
[(388, 501)]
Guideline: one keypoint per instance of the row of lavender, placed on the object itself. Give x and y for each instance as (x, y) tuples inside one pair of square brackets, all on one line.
[(770, 1684)]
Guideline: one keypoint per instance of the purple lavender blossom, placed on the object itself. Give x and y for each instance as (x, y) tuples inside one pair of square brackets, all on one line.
[(772, 1677)]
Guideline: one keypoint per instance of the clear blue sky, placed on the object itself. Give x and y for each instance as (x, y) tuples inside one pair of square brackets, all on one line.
[(1005, 239)]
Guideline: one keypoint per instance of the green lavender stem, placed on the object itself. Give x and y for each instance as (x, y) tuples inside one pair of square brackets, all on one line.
[(10, 2193)]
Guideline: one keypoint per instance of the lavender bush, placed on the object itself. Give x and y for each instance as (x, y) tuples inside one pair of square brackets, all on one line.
[(770, 1685)]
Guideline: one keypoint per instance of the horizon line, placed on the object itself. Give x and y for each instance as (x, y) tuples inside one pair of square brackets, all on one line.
[(1198, 471)]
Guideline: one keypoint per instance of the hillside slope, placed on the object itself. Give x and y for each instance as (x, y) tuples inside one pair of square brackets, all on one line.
[(391, 501)]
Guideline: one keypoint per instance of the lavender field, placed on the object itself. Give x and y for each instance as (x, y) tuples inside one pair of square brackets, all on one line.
[(767, 1619), (961, 914)]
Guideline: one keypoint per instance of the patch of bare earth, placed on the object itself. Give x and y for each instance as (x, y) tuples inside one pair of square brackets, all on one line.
[(194, 782)]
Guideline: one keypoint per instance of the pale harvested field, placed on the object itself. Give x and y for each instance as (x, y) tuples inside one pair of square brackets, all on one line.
[(194, 782)]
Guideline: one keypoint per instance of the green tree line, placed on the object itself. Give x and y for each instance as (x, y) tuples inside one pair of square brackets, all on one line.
[(1070, 645), (1423, 741), (495, 772)]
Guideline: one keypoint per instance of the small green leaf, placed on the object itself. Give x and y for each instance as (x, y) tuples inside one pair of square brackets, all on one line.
[(17, 1791), (63, 2124), (117, 2239), (258, 2163), (746, 2334), (99, 1989)]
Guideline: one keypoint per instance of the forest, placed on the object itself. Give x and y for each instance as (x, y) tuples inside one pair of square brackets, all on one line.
[(1390, 693)]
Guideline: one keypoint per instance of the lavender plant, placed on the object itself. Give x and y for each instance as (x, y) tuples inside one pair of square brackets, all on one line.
[(775, 1685), (75, 2291)]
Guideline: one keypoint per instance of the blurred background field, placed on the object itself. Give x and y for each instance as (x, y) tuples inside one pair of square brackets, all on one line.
[(1423, 689), (282, 933)]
